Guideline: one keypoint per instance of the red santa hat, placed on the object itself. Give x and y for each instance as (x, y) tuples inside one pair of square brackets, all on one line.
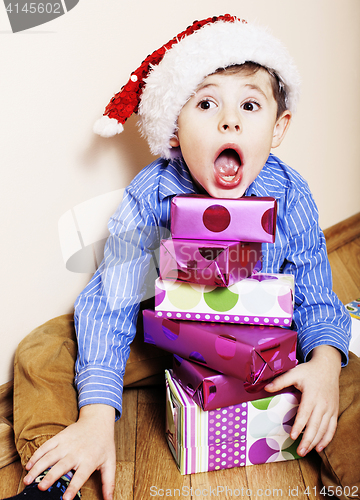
[(167, 78)]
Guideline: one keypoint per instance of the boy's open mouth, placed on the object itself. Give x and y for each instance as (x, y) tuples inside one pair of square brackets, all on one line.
[(227, 168)]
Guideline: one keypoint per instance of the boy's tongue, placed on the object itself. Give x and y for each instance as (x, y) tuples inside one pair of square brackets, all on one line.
[(227, 164)]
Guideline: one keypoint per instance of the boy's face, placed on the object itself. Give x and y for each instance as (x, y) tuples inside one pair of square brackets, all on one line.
[(227, 129)]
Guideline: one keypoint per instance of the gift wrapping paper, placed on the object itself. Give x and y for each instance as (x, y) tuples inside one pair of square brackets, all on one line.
[(213, 263), (254, 354), (261, 299), (248, 433), (244, 219), (210, 389)]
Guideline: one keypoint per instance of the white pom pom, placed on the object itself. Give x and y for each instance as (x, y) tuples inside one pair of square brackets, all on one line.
[(107, 127)]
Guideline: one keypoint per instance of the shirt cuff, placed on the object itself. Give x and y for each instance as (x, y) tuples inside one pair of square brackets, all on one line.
[(324, 334), (100, 385)]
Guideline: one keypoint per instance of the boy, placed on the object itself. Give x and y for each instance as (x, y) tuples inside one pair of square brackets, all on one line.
[(213, 122)]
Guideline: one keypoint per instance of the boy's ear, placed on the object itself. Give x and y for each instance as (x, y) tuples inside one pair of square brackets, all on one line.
[(174, 141), (281, 126)]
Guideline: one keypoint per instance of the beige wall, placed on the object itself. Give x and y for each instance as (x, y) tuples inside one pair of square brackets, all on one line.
[(55, 81)]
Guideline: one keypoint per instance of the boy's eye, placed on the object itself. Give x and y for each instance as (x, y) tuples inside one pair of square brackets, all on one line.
[(250, 106), (206, 104)]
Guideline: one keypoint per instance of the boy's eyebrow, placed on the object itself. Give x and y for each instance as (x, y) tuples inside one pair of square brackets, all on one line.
[(206, 85), (248, 85), (256, 87)]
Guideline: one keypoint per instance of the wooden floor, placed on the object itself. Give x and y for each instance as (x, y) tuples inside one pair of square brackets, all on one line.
[(145, 467)]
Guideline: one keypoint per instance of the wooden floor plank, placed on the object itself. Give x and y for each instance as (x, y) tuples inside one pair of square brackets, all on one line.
[(310, 470), (10, 477), (124, 481), (6, 400), (92, 488), (8, 451), (342, 233), (275, 480), (125, 428), (224, 483), (350, 257), (155, 468), (343, 284), (152, 395)]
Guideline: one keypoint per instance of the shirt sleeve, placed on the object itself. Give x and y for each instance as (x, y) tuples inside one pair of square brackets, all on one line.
[(106, 311), (319, 316)]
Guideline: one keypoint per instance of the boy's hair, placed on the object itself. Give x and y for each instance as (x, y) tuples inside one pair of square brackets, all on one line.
[(250, 68)]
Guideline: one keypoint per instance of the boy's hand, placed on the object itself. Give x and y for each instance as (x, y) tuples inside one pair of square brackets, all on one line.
[(318, 380), (84, 446)]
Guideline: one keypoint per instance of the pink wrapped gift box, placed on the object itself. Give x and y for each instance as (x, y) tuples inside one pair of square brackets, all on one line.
[(212, 263), (249, 433), (245, 219), (254, 354), (211, 389), (260, 299)]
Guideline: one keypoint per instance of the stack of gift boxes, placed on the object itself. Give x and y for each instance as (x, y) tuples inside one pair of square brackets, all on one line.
[(228, 327)]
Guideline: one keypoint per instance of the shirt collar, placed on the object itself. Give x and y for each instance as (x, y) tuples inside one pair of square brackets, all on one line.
[(175, 179), (266, 183)]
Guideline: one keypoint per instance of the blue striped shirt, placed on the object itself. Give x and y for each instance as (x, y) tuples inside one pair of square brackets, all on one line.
[(107, 309)]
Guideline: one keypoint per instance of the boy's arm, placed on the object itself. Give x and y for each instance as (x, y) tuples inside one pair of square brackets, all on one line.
[(105, 320), (319, 316), (321, 321), (318, 381), (106, 311)]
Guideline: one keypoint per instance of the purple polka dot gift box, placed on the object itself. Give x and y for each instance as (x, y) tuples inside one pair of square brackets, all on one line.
[(245, 219), (248, 433), (260, 299), (210, 389), (206, 262), (254, 354)]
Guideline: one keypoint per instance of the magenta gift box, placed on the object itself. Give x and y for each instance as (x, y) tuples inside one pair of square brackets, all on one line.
[(244, 219), (212, 263), (254, 354), (211, 389), (248, 433), (260, 299)]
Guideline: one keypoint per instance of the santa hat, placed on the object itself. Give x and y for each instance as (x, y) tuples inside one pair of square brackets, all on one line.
[(167, 78)]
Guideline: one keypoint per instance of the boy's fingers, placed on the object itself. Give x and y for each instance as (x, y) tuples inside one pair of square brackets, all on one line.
[(79, 479), (41, 460), (316, 428), (280, 382), (58, 470), (329, 434), (303, 416), (108, 480), (39, 453), (38, 468)]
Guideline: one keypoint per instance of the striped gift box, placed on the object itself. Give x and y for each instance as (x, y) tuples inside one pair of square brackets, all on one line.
[(249, 433)]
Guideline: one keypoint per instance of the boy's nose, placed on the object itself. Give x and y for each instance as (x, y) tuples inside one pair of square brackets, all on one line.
[(230, 122), (235, 126)]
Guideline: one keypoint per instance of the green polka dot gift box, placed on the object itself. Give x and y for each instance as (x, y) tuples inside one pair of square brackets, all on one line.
[(248, 433), (260, 299)]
